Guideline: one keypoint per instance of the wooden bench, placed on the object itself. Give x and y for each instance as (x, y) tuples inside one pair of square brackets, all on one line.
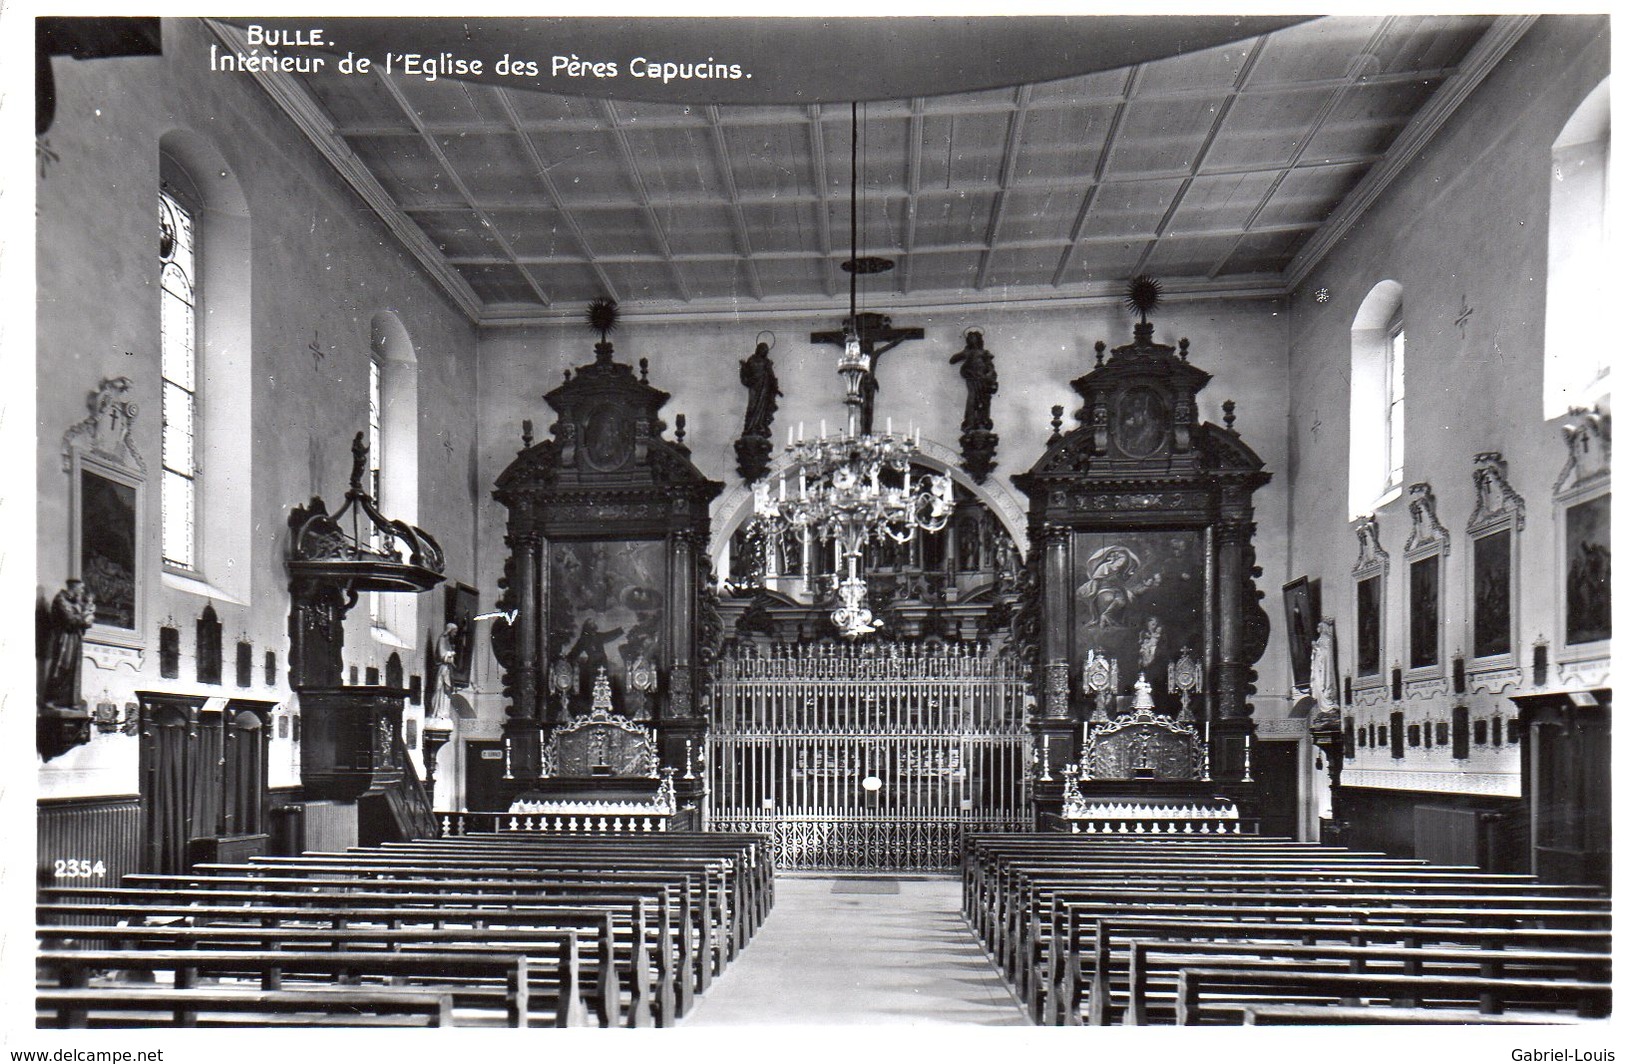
[(1206, 993), (154, 1007), (1109, 970), (1154, 966), (500, 980), (1307, 1015)]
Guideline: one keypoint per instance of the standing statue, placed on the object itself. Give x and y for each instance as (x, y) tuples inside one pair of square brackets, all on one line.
[(61, 644), (981, 383), (445, 658), (762, 385), (1323, 668)]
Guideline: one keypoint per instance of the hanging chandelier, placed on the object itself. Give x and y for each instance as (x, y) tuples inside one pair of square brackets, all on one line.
[(853, 487)]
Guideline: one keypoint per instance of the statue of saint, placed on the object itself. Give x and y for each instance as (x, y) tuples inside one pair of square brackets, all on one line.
[(61, 644), (1323, 667), (445, 660), (762, 386), (981, 382)]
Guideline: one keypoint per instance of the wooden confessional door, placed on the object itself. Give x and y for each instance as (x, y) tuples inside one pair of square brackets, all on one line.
[(868, 757)]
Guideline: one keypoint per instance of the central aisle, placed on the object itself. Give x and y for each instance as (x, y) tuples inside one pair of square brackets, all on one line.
[(823, 957)]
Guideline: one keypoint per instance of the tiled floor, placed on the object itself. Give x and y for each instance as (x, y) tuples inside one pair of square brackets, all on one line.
[(828, 958)]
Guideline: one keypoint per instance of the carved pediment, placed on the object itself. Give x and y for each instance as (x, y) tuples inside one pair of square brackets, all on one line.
[(1426, 531), (1496, 502), (1589, 435), (1372, 558)]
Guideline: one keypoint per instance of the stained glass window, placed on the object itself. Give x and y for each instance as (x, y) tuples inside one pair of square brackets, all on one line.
[(177, 254)]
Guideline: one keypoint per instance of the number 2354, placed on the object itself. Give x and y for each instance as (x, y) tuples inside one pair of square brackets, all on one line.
[(74, 868)]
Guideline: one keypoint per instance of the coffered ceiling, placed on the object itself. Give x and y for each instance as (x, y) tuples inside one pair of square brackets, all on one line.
[(1228, 170)]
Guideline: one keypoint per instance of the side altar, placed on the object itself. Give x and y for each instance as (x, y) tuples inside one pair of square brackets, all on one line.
[(1142, 565), (614, 624)]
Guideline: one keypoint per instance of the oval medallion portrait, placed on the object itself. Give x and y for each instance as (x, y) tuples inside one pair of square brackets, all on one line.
[(607, 438), (1142, 421)]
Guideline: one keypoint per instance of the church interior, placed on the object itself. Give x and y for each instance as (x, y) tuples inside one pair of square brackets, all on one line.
[(1108, 520)]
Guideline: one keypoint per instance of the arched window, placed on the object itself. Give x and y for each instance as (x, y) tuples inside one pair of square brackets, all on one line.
[(178, 202), (1577, 265), (1377, 400), (392, 435), (206, 362)]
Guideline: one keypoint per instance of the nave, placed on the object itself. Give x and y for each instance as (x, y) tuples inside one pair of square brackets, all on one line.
[(528, 929)]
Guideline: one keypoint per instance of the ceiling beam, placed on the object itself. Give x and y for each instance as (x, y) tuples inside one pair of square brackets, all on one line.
[(1486, 54), (719, 144), (958, 301), (629, 159), (1351, 77), (820, 172), (541, 171), (740, 116), (433, 148), (1007, 174), (912, 164), (291, 96), (809, 255), (1237, 85), (1108, 145)]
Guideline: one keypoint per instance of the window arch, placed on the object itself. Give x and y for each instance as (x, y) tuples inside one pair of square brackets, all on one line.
[(393, 436), (1377, 399), (1576, 372), (206, 368)]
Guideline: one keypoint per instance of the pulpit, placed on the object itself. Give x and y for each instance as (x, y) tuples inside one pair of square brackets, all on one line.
[(1141, 521), (607, 577)]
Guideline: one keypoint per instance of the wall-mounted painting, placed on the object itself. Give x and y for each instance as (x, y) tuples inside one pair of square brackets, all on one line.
[(1424, 612), (1492, 594), (1587, 598), (462, 606), (1368, 626), (106, 523), (606, 608), (1302, 601), (1138, 599)]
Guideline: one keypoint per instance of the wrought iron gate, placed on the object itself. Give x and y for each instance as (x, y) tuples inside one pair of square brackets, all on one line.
[(869, 757)]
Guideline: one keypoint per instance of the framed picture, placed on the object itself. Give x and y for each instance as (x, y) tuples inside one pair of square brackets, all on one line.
[(462, 606), (1301, 600), (1493, 576), (1139, 598), (106, 547), (1368, 628), (606, 609), (1424, 589), (1585, 572)]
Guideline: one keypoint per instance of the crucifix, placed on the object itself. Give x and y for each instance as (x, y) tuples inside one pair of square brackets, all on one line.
[(316, 352), (876, 335)]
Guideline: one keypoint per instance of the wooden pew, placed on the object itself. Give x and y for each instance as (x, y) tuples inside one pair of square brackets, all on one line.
[(1343, 1016), (1203, 993), (330, 1007), (656, 986), (548, 951), (1149, 960), (499, 979), (1109, 971)]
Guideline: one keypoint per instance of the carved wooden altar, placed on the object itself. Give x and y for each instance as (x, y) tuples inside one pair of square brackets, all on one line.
[(608, 525), (600, 767), (1141, 519)]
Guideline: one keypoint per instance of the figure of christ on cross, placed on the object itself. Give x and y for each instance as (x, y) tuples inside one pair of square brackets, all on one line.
[(876, 336)]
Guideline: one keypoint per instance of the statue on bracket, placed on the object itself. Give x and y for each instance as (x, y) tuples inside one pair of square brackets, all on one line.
[(62, 723), (755, 442), (977, 441)]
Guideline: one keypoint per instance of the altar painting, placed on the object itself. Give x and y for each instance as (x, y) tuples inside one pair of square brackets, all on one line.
[(606, 608), (1587, 565), (1138, 599)]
